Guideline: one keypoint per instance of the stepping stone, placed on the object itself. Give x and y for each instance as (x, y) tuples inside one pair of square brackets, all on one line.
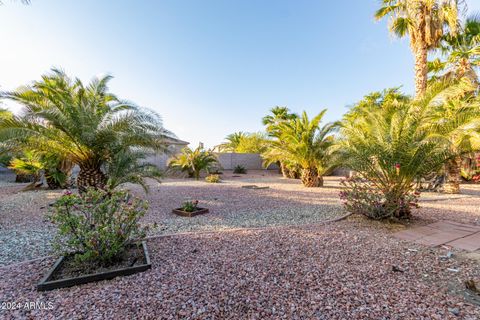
[(254, 187), (457, 235), (469, 243), (442, 237), (454, 226), (415, 233)]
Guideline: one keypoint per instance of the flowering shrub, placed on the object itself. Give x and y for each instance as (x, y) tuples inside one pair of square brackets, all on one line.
[(98, 226), (190, 206), (360, 196)]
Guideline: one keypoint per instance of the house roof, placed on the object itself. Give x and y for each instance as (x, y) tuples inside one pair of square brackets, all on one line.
[(175, 141)]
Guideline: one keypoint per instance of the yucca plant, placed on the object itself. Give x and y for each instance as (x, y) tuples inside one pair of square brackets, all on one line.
[(193, 162), (304, 143), (85, 124)]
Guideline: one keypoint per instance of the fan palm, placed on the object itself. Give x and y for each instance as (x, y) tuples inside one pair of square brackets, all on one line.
[(425, 22), (193, 162), (86, 124), (461, 53), (302, 141)]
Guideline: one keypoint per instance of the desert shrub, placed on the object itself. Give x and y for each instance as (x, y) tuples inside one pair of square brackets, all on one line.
[(97, 227), (362, 197), (239, 169), (190, 206), (213, 178)]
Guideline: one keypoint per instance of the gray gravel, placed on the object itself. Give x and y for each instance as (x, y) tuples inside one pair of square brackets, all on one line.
[(20, 245)]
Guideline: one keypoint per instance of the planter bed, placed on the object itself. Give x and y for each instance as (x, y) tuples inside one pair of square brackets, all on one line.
[(63, 274), (182, 213)]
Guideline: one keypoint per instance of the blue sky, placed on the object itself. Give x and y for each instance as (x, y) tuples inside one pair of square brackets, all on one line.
[(210, 67)]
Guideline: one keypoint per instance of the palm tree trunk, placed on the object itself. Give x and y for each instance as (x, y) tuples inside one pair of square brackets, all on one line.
[(452, 185), (421, 70), (310, 178), (284, 170), (90, 176)]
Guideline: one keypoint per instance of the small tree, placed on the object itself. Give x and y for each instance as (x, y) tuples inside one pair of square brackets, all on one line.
[(193, 162), (304, 143)]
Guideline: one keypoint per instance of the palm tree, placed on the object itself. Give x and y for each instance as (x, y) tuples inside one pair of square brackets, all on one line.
[(461, 53), (86, 124), (232, 142), (455, 123), (128, 166), (279, 115), (425, 22), (390, 148), (305, 143), (193, 162)]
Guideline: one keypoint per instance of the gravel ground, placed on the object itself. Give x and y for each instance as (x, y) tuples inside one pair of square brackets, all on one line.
[(25, 234), (338, 271)]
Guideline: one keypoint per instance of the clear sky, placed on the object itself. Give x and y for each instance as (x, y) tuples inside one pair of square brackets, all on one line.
[(210, 67)]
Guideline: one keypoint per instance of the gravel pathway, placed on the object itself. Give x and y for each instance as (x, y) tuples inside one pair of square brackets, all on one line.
[(344, 270)]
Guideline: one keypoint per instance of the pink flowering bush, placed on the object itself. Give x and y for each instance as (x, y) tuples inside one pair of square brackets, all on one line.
[(362, 197), (97, 226)]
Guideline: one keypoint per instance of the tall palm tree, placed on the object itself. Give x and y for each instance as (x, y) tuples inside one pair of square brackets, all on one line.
[(461, 53), (278, 114), (86, 124), (425, 22), (305, 143)]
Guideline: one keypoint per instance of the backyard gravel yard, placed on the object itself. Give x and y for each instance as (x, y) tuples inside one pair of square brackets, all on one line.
[(347, 270), (26, 234), (303, 269)]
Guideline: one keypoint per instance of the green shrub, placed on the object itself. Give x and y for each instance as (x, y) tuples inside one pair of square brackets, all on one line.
[(213, 178), (97, 227), (239, 169), (190, 206)]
